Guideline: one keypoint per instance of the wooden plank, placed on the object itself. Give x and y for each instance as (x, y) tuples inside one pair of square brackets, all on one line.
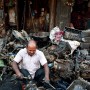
[(52, 13)]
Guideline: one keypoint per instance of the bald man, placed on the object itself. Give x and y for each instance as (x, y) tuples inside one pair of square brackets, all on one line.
[(29, 60)]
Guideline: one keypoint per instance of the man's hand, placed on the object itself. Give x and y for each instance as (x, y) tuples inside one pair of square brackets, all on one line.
[(20, 75), (47, 81), (16, 69), (48, 85)]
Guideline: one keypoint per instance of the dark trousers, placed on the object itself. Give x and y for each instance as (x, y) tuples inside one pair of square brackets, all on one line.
[(39, 75)]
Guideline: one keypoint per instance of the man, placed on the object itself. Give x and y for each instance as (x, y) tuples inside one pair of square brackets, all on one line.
[(30, 59)]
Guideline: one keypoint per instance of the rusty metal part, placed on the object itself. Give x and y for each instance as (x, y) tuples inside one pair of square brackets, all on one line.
[(65, 67)]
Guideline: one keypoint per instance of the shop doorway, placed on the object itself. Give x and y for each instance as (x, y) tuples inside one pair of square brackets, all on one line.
[(33, 15), (80, 15)]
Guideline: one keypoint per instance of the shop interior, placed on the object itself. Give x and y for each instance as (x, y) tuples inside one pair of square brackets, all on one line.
[(34, 15), (80, 15)]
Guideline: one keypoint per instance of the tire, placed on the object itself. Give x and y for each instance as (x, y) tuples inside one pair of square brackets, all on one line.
[(72, 34), (85, 33), (85, 45), (86, 39)]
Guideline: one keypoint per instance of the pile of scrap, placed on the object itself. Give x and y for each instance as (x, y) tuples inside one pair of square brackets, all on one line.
[(2, 29)]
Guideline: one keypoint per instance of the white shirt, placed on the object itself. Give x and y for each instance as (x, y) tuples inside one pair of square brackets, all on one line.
[(30, 63)]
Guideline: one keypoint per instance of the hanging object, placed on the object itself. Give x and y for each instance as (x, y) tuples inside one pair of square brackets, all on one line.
[(1, 4), (11, 3), (12, 16), (69, 2), (89, 4)]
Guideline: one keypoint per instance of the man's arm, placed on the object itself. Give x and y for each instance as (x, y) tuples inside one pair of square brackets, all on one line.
[(16, 69), (46, 69)]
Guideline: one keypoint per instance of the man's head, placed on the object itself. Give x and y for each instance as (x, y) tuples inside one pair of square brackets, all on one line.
[(31, 47)]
